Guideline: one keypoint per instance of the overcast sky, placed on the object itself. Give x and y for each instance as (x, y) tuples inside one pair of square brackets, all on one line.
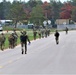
[(28, 0)]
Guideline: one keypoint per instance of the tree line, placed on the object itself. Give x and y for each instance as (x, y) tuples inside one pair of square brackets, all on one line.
[(37, 11)]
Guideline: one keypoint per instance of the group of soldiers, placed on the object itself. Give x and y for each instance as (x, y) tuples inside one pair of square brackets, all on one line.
[(12, 38), (41, 33)]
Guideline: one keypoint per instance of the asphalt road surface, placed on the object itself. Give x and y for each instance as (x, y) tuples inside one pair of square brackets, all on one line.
[(43, 57)]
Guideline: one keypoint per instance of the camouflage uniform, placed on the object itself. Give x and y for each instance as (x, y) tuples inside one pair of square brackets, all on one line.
[(16, 37), (2, 41), (39, 33), (42, 33), (24, 38), (34, 34), (11, 41), (46, 33)]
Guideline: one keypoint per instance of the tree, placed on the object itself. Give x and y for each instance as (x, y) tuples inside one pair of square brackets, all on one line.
[(32, 3), (73, 16), (46, 10), (55, 9), (73, 2), (16, 12), (4, 9), (37, 15), (1, 11), (66, 11), (56, 5)]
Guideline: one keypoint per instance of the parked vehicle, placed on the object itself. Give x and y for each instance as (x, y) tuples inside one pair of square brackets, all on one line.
[(30, 26)]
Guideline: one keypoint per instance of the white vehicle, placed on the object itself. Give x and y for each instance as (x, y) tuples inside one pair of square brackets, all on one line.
[(1, 28), (30, 26)]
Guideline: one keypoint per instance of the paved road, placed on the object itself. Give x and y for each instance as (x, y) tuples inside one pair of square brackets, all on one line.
[(43, 57)]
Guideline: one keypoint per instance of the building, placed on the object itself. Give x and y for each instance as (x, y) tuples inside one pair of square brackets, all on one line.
[(62, 21)]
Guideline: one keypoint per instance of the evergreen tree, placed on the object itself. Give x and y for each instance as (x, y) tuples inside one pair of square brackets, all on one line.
[(73, 16), (17, 12)]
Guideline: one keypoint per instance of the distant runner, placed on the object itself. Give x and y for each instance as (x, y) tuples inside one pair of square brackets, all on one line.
[(66, 30), (57, 37)]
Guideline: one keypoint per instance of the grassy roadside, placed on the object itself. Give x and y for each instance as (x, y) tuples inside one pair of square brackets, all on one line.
[(29, 32)]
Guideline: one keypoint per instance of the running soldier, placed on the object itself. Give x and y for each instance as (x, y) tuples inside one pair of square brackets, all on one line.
[(57, 37), (66, 30)]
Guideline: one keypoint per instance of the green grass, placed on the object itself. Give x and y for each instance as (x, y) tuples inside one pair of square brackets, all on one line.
[(30, 35), (5, 28), (29, 32)]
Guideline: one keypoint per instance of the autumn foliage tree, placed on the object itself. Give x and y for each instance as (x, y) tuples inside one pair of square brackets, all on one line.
[(66, 11), (46, 10)]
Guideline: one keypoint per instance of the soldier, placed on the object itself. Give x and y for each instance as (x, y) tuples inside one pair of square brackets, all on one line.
[(39, 33), (4, 38), (46, 33), (24, 38), (42, 33), (66, 30), (57, 37), (16, 37), (2, 41), (11, 40), (34, 34)]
